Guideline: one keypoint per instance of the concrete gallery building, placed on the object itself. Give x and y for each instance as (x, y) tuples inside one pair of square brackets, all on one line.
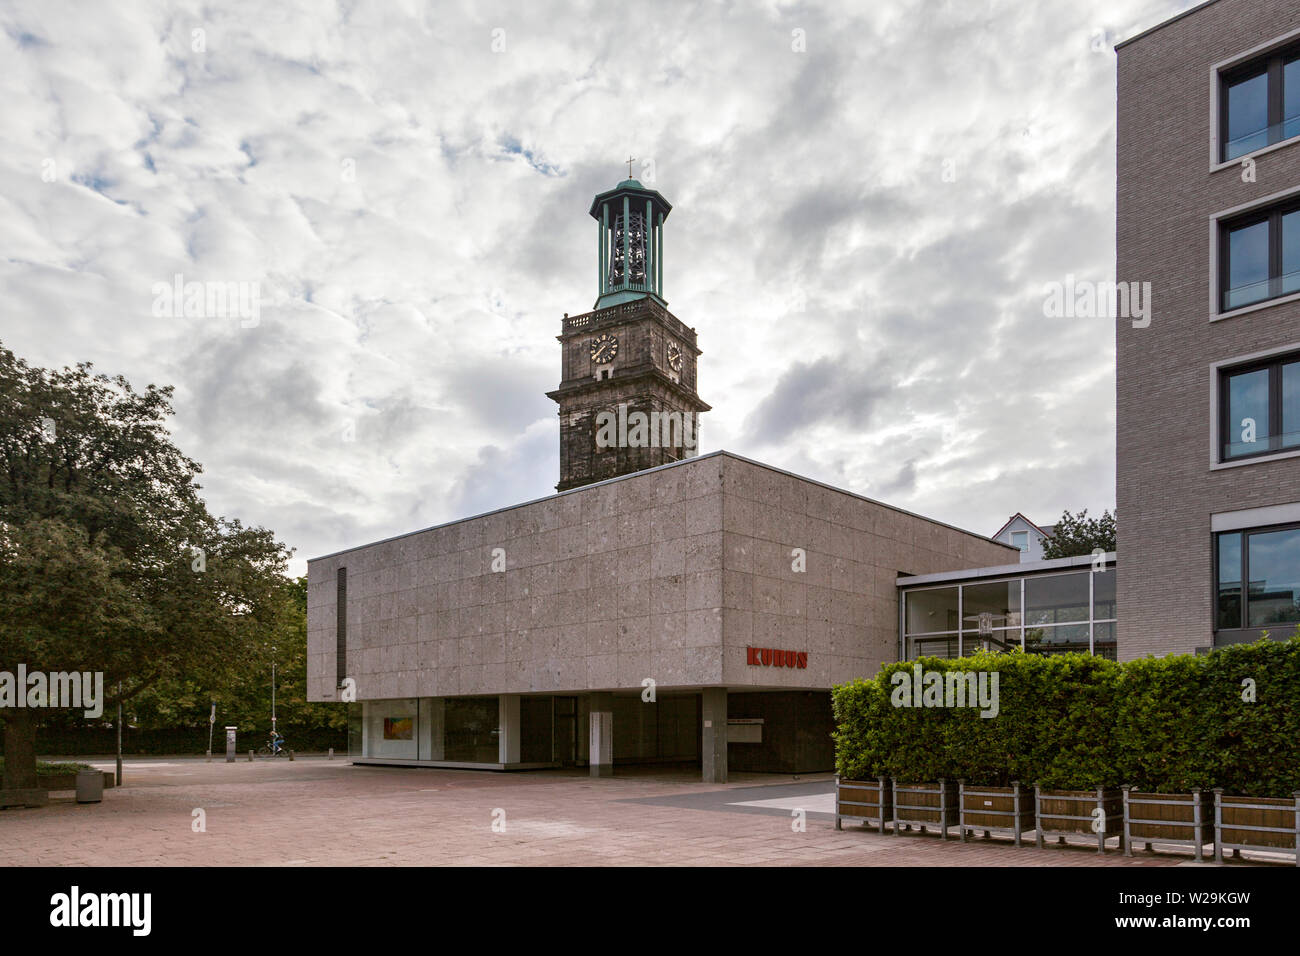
[(1208, 406), (662, 606)]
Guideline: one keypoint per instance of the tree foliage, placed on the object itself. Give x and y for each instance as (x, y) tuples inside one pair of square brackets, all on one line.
[(109, 559), (1079, 534), (243, 698)]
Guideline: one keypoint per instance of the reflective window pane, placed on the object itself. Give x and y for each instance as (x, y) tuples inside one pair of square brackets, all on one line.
[(1290, 281), (1056, 599), (1247, 116), (1103, 595), (1273, 592), (1291, 99), (1057, 640), (1247, 265), (999, 642), (1290, 405), (944, 646), (1103, 640), (1247, 429), (990, 606), (471, 729), (932, 611), (1229, 597), (390, 728)]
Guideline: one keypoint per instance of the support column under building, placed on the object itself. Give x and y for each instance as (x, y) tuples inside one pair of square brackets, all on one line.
[(508, 742), (714, 728), (601, 743)]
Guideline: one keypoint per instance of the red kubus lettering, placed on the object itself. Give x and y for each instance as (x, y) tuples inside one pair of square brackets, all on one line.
[(771, 657)]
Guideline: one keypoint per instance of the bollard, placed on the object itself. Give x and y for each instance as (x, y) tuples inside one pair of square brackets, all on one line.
[(90, 786), (290, 754), (331, 753), (250, 756)]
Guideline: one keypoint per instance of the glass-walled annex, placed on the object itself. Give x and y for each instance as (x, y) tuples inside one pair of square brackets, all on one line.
[(1047, 607)]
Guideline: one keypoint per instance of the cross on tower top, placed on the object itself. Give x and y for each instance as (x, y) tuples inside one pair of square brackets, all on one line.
[(630, 160)]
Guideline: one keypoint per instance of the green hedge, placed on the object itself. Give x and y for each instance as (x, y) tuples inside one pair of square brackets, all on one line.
[(1076, 721)]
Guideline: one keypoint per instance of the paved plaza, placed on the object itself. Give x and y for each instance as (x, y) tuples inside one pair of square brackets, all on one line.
[(314, 811)]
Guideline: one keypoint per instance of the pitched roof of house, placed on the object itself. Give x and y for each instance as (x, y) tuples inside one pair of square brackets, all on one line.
[(1045, 530)]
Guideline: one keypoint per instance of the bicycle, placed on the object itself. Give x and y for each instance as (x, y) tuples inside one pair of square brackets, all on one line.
[(274, 748)]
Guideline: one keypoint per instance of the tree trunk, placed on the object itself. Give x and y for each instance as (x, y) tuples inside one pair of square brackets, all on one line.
[(20, 750)]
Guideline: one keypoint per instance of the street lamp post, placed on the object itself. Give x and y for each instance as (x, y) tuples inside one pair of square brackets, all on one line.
[(119, 734)]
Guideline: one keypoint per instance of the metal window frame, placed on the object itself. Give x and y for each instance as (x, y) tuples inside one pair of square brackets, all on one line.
[(1272, 215), (1244, 533), (907, 638), (1239, 66)]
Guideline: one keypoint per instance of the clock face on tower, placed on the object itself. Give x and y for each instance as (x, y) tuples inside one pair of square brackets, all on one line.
[(675, 358), (603, 348)]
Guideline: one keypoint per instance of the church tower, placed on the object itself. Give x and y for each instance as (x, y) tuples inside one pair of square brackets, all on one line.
[(628, 368)]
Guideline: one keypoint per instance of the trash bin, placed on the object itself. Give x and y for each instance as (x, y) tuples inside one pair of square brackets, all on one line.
[(90, 786)]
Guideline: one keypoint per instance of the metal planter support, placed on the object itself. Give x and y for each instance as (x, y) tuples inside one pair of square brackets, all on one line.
[(1008, 810), (926, 805), (1053, 814), (864, 801), (1184, 819), (1256, 823)]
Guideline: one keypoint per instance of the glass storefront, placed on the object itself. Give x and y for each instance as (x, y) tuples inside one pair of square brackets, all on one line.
[(1048, 613), (463, 729), (389, 728), (472, 729)]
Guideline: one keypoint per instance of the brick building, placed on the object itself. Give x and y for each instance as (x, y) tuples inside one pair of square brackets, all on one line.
[(1208, 395)]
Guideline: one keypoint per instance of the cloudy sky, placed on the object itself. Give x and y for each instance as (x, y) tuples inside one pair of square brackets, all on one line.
[(870, 199)]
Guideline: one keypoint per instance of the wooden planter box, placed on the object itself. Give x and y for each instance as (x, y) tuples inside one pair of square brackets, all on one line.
[(1063, 813), (1007, 810), (926, 805), (1186, 819), (864, 801), (1270, 823)]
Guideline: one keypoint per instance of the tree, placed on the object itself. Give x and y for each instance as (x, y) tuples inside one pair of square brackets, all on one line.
[(1079, 534), (109, 559), (244, 699)]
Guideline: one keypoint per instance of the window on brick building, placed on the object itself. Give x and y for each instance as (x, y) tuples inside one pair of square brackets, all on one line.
[(1259, 256), (1259, 103), (1259, 408), (1267, 562)]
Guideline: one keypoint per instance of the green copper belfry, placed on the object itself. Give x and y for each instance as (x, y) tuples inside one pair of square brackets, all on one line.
[(630, 221)]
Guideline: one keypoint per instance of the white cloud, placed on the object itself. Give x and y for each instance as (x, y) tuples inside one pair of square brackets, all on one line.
[(413, 205)]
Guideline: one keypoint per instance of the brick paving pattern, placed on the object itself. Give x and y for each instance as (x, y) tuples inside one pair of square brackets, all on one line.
[(317, 812)]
